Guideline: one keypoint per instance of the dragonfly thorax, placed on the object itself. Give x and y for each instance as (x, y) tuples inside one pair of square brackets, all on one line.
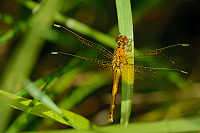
[(117, 62), (119, 54)]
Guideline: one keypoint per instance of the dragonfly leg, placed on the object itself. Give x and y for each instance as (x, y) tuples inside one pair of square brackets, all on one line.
[(130, 45)]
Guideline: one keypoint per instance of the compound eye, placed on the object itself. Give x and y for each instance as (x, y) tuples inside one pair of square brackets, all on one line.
[(126, 40), (119, 39)]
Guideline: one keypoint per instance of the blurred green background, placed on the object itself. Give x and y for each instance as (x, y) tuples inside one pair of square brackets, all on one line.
[(25, 44)]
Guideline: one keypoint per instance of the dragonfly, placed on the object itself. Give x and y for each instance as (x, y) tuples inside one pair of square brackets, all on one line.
[(112, 63)]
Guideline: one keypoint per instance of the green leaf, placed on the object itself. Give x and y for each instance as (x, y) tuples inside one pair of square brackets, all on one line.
[(126, 28), (42, 110)]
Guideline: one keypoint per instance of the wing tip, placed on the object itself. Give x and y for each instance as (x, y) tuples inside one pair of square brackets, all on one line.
[(56, 25), (54, 52), (184, 45), (184, 72)]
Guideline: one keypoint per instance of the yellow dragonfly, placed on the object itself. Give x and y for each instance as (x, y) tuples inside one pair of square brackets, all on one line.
[(110, 63)]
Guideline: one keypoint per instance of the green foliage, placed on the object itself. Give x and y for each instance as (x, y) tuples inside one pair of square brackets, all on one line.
[(25, 44)]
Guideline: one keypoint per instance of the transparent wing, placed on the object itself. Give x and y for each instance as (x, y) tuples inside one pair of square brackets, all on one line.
[(72, 42), (92, 70), (98, 60), (167, 57), (154, 78)]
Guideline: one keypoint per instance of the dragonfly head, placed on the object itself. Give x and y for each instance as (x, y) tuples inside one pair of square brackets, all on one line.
[(122, 40)]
